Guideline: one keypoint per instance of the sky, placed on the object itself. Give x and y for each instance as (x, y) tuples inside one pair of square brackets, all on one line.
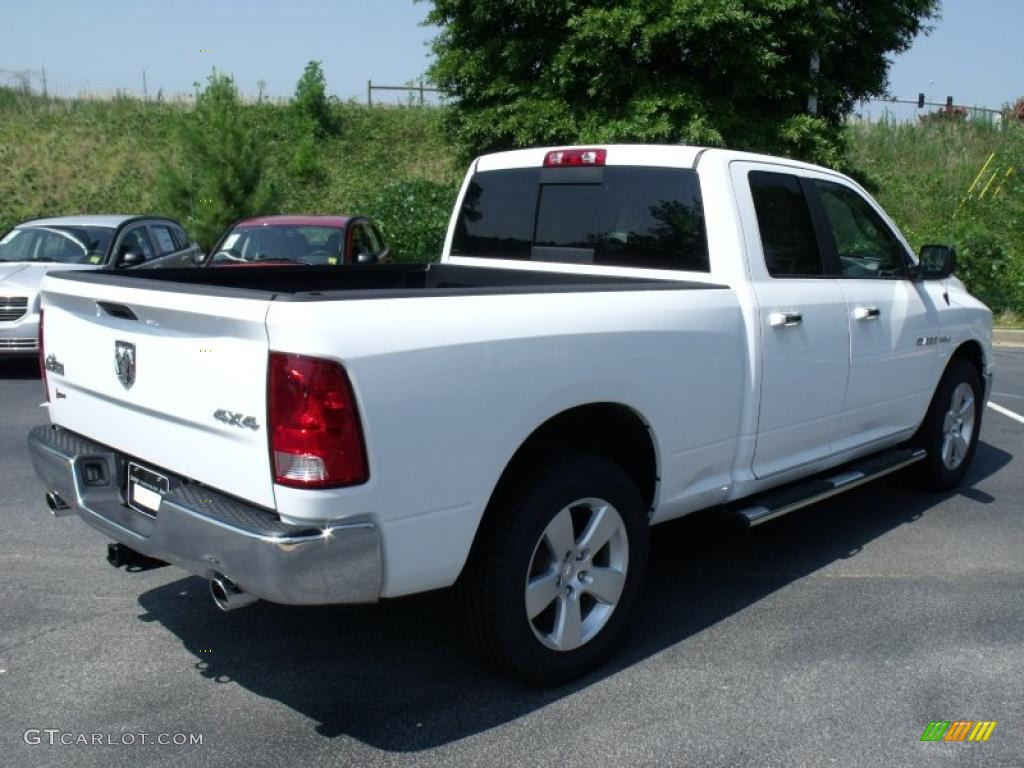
[(974, 53)]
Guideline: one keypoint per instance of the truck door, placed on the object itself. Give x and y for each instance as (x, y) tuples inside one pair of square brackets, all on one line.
[(893, 320), (802, 328)]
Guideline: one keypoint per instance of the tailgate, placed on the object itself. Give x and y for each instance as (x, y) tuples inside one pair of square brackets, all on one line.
[(194, 356)]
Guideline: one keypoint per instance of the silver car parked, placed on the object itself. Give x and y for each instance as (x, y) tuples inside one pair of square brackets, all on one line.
[(32, 249)]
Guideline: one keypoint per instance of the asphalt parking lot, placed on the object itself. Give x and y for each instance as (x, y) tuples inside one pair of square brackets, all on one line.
[(830, 637)]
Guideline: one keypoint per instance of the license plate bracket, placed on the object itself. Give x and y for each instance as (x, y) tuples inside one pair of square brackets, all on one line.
[(146, 489)]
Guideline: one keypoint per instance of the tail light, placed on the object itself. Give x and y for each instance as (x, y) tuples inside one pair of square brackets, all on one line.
[(42, 359), (574, 157), (316, 440)]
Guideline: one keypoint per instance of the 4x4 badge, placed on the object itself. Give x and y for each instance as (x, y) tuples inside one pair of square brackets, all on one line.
[(236, 419)]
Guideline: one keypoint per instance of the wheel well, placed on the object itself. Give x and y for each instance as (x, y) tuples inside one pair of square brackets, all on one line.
[(971, 352), (605, 429)]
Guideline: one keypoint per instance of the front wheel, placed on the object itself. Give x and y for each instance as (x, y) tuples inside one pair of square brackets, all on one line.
[(950, 429), (555, 574)]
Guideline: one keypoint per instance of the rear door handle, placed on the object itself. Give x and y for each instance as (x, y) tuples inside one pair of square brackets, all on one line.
[(784, 319), (867, 313)]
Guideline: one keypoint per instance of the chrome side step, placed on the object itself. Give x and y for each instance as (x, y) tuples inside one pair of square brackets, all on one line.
[(779, 502)]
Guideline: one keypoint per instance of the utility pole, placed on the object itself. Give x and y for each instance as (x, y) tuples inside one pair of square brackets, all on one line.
[(44, 83), (812, 97), (369, 93), (145, 92)]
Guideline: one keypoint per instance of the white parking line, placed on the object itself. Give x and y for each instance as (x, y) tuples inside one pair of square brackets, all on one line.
[(1006, 412)]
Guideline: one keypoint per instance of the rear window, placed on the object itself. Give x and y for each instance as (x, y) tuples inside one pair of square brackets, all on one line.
[(624, 216)]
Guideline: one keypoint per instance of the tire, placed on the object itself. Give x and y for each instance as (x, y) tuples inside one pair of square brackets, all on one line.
[(590, 495), (950, 429)]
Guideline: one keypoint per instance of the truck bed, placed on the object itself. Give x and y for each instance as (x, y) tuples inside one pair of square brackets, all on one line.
[(369, 281)]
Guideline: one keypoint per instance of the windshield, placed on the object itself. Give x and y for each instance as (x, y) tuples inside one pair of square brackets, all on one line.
[(66, 244), (303, 244)]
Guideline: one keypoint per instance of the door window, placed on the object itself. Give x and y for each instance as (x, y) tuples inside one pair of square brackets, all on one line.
[(865, 245), (788, 240), (378, 238), (137, 241), (362, 243), (180, 238), (164, 239)]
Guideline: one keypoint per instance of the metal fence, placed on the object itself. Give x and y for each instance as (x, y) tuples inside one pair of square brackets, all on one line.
[(154, 87), (150, 86), (411, 92)]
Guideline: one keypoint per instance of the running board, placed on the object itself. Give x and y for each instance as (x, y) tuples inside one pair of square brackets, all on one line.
[(780, 502)]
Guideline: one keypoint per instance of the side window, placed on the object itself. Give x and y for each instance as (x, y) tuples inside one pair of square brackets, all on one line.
[(180, 238), (865, 245), (376, 243), (164, 239), (361, 242), (787, 233), (137, 241)]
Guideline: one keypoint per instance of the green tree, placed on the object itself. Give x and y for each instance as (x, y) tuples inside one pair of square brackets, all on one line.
[(735, 73), (311, 102), (221, 173)]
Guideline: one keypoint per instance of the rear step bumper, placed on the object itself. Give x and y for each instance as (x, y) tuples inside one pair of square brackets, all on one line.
[(208, 533)]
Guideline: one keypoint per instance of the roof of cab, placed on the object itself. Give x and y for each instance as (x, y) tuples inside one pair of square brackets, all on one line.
[(652, 155), (295, 221), (111, 221)]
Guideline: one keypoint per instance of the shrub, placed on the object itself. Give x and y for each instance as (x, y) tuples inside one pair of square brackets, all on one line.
[(413, 215), (311, 102), (224, 174), (990, 270)]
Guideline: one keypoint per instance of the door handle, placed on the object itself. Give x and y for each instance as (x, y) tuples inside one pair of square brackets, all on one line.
[(867, 313), (784, 319)]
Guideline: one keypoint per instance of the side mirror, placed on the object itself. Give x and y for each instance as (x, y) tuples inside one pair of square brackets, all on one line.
[(131, 258), (366, 258), (198, 257), (937, 262)]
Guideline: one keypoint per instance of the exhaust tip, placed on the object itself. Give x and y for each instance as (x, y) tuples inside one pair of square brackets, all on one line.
[(227, 595), (58, 507)]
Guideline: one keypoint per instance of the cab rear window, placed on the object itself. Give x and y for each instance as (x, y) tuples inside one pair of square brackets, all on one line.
[(624, 216)]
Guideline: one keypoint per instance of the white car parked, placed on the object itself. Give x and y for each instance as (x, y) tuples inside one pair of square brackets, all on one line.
[(614, 337), (32, 249)]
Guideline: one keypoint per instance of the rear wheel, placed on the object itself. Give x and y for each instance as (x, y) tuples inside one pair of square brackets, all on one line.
[(950, 429), (556, 571)]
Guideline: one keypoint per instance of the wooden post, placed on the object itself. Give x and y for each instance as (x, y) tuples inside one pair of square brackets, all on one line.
[(369, 93), (421, 91)]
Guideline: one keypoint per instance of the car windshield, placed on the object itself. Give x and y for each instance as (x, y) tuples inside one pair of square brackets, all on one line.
[(303, 244), (65, 244)]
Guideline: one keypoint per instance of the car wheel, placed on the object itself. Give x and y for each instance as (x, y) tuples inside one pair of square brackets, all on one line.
[(950, 429), (556, 570)]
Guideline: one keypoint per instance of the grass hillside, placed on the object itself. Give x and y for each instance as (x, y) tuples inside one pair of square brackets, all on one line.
[(64, 157), (394, 163)]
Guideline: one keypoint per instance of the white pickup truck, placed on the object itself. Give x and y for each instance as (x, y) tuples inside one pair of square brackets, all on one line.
[(614, 336)]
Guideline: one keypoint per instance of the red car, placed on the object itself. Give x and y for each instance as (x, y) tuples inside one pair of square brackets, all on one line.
[(321, 240)]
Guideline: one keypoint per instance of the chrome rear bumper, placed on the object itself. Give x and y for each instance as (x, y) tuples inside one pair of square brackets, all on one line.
[(208, 533)]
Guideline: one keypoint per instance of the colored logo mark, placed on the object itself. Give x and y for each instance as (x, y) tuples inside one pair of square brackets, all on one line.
[(958, 730)]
